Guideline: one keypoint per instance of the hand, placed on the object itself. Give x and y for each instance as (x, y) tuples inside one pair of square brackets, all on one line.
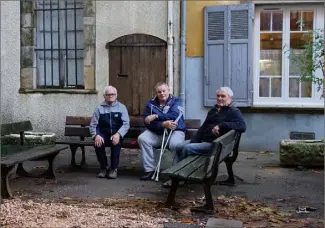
[(115, 139), (169, 124), (215, 130), (150, 118), (99, 141)]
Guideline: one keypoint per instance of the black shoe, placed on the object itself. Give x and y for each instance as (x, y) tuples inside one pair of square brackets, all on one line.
[(147, 176)]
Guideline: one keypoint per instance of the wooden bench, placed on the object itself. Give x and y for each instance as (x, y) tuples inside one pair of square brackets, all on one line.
[(204, 169), (77, 127), (17, 154)]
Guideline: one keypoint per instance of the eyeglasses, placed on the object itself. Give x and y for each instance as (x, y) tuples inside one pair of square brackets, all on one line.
[(110, 94)]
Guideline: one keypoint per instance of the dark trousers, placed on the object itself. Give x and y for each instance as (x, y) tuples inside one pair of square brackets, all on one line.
[(115, 154)]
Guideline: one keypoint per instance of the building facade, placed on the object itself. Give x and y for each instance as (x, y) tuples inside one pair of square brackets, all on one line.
[(57, 57)]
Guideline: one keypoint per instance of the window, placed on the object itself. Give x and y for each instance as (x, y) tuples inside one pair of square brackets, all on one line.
[(60, 44), (276, 77)]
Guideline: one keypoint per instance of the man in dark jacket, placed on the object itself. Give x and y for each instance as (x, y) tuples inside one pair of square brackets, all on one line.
[(222, 118), (109, 124), (160, 114)]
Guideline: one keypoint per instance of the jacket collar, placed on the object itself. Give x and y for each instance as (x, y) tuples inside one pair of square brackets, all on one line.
[(106, 104), (169, 100)]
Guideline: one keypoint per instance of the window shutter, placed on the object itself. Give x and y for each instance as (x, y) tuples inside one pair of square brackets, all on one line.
[(228, 52), (240, 54), (215, 36)]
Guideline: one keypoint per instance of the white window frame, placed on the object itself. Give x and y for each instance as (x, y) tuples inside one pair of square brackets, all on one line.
[(285, 101)]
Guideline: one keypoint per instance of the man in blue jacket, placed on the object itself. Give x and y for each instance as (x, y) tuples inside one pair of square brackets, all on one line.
[(109, 124), (159, 114)]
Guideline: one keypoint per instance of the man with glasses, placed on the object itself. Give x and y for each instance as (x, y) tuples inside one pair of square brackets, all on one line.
[(222, 118), (109, 124)]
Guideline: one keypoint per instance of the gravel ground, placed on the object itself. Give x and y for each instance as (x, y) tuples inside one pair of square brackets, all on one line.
[(21, 213)]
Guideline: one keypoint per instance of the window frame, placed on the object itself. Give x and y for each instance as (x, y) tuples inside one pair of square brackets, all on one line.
[(285, 101), (57, 6)]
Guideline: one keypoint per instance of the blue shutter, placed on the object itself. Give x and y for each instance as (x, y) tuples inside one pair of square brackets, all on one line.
[(215, 36), (240, 54), (228, 52)]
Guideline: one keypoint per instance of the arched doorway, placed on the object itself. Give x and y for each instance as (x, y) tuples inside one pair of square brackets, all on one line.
[(136, 63)]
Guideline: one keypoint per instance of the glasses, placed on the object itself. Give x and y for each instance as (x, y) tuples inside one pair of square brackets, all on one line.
[(110, 94)]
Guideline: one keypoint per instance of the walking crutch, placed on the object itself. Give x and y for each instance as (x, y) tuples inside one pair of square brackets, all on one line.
[(164, 145)]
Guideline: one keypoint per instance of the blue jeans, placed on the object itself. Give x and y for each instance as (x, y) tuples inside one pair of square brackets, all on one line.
[(186, 149)]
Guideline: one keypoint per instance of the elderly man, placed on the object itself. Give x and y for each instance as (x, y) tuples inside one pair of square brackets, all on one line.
[(109, 123), (222, 118), (159, 114)]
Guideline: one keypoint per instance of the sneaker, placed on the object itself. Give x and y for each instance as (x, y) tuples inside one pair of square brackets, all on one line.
[(112, 174), (102, 173)]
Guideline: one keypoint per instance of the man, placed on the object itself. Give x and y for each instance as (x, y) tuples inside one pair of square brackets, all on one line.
[(109, 124), (222, 118), (159, 114)]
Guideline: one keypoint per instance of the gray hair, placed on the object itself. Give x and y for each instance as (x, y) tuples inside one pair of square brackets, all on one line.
[(227, 90), (109, 87), (161, 84)]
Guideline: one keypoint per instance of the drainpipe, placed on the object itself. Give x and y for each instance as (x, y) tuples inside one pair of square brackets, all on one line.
[(183, 48), (170, 43)]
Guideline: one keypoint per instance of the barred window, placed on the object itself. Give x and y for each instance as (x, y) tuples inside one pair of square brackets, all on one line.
[(60, 44)]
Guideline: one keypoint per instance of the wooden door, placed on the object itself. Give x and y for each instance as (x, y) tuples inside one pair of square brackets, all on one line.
[(136, 63)]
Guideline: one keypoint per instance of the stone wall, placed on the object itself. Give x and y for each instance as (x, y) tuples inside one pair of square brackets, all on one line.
[(28, 43)]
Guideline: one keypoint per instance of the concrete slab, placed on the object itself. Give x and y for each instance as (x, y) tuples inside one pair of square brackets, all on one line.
[(223, 223), (180, 225)]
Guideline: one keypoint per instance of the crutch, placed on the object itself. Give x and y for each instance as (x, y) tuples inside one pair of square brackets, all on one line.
[(164, 145)]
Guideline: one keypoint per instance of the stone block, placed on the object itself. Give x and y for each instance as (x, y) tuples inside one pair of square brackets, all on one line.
[(89, 33), (89, 20), (26, 7), (31, 138), (26, 20), (26, 78), (89, 56), (89, 8), (27, 36), (89, 77), (26, 56), (224, 223), (302, 152)]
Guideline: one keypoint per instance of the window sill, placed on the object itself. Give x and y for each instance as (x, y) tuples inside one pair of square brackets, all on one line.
[(68, 91), (309, 105)]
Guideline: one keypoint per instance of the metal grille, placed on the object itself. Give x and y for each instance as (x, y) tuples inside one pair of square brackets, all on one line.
[(60, 43)]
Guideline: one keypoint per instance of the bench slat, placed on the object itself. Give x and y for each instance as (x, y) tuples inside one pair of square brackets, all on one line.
[(77, 131), (197, 175), (32, 154), (180, 165), (78, 120), (193, 123), (16, 128), (190, 168)]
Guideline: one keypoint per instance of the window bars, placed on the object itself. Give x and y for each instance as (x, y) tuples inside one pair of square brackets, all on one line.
[(59, 44)]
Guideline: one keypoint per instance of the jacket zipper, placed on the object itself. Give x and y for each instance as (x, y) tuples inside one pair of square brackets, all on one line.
[(110, 122)]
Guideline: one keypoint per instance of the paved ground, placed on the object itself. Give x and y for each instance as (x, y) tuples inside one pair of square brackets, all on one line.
[(260, 178)]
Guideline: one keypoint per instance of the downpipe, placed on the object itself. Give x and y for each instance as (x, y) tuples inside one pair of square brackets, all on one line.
[(170, 45)]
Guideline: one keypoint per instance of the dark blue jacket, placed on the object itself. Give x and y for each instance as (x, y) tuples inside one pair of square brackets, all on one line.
[(228, 118), (168, 112)]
